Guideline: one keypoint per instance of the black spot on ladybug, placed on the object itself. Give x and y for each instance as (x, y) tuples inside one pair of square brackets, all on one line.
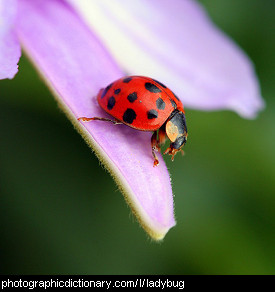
[(160, 104), (132, 97), (160, 83), (129, 116), (111, 103), (174, 105), (117, 91), (152, 114), (127, 79), (152, 87), (176, 97), (106, 90)]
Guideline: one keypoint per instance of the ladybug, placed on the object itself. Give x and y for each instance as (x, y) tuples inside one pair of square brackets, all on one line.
[(145, 104)]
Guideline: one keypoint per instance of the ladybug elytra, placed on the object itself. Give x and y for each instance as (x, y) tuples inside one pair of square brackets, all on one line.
[(145, 104)]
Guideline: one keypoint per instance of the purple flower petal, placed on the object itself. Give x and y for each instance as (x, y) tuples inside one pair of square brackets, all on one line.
[(175, 42), (9, 46), (76, 66)]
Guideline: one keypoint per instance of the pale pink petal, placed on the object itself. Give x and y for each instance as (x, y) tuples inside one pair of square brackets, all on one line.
[(175, 41), (75, 65), (9, 46)]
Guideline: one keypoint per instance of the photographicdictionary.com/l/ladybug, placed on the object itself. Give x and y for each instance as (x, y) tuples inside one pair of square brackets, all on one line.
[(145, 104)]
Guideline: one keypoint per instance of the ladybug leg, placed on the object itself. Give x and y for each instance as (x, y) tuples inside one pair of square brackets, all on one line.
[(162, 135), (155, 141), (158, 138), (172, 151), (84, 119), (155, 147), (182, 152)]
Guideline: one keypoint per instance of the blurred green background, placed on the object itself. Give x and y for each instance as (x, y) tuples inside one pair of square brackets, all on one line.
[(61, 213)]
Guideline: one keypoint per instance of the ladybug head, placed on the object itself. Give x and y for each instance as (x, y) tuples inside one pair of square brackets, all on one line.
[(176, 131)]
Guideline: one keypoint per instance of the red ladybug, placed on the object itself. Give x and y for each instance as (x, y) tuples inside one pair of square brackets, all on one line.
[(145, 104)]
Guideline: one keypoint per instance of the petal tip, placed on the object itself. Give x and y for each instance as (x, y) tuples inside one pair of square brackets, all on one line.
[(156, 229), (158, 235), (247, 108)]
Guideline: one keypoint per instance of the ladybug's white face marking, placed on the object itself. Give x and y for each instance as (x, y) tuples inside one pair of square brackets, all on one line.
[(176, 131), (172, 131)]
